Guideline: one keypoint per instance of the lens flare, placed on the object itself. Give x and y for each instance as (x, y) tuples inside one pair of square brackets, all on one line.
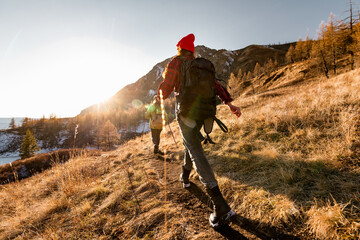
[(136, 103)]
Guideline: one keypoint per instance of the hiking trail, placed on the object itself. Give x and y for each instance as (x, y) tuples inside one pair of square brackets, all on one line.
[(196, 206)]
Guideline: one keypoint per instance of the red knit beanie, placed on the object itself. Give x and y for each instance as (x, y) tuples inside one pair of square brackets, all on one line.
[(187, 43)]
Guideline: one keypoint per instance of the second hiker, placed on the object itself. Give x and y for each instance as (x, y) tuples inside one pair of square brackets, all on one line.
[(153, 113)]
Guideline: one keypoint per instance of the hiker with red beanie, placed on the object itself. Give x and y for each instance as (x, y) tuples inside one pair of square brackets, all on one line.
[(190, 131)]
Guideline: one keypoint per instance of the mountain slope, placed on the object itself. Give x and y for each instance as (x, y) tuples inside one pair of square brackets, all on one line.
[(226, 62)]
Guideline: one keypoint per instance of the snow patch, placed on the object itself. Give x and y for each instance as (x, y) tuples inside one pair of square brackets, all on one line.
[(5, 140), (151, 92), (158, 71), (143, 126), (62, 137), (268, 46)]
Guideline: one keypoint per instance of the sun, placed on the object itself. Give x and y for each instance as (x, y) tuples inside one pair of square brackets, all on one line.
[(72, 74)]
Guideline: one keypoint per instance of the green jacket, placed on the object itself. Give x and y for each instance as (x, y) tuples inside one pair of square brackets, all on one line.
[(154, 114)]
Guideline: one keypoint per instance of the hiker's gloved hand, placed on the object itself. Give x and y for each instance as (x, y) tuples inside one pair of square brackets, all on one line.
[(234, 109)]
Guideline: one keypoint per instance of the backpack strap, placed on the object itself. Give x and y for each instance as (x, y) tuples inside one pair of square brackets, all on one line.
[(208, 126), (208, 140), (222, 80), (222, 126)]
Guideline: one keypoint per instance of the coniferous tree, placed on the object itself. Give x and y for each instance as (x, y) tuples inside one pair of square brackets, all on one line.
[(290, 54), (25, 122), (240, 74), (332, 37), (356, 44), (270, 66), (28, 145), (107, 135), (12, 123), (234, 83), (257, 69), (307, 47), (51, 132), (320, 50), (299, 50), (350, 38)]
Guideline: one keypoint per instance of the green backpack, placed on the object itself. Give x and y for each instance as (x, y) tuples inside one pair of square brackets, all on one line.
[(197, 96)]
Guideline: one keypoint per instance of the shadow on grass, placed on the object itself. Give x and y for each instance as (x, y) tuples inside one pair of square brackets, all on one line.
[(262, 231), (299, 180)]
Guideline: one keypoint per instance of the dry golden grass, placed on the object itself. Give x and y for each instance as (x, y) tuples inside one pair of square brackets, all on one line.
[(293, 148), (291, 161), (115, 195), (24, 168)]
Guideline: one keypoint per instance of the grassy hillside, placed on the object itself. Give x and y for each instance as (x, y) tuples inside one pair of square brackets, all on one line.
[(290, 163), (293, 157)]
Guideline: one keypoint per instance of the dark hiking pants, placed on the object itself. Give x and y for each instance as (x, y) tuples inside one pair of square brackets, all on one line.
[(155, 136), (195, 156)]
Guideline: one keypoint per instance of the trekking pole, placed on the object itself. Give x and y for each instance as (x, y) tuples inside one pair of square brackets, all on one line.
[(163, 125), (143, 130), (172, 134)]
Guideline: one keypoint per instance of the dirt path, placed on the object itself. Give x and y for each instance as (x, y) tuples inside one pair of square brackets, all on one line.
[(196, 207), (194, 203)]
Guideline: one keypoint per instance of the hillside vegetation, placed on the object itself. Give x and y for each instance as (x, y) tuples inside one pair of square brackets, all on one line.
[(290, 162)]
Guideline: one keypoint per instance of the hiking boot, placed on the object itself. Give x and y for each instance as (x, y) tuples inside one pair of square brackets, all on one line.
[(222, 212), (184, 177), (157, 151)]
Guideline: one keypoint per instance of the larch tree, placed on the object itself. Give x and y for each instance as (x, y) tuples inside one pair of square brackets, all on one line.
[(307, 47), (332, 38), (356, 45), (299, 51), (257, 69), (350, 35), (234, 83), (28, 146), (107, 135), (240, 74), (270, 66), (320, 49), (25, 122), (290, 54)]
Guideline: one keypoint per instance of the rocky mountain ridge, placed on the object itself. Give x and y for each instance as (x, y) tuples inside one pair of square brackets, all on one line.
[(225, 61)]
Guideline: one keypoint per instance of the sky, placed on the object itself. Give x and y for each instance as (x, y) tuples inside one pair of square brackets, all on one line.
[(61, 56)]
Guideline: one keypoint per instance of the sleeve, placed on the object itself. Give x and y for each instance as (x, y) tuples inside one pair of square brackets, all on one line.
[(223, 94), (149, 111), (170, 75)]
